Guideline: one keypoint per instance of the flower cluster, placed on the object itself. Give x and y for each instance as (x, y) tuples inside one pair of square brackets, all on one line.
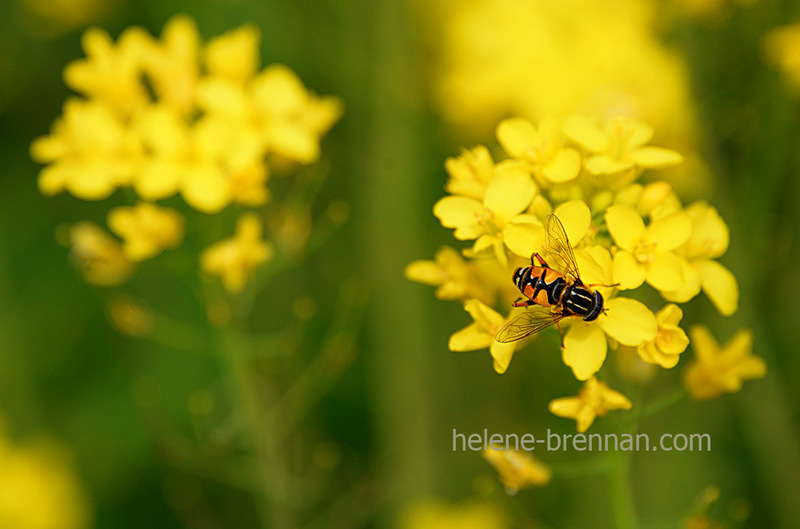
[(171, 116), (625, 234)]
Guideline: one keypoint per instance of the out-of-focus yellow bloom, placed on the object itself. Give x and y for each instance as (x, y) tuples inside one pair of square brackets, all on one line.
[(53, 18), (454, 277), (647, 253), (594, 400), (111, 74), (130, 316), (234, 56), (517, 470), (470, 173), (98, 255), (39, 488), (236, 259), (542, 150), (782, 48), (146, 229), (497, 221), (665, 350), (480, 335), (433, 514), (708, 240), (618, 145), (90, 150), (172, 65), (716, 370)]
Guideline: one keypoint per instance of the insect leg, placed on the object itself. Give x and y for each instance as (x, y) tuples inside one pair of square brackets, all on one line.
[(602, 285), (523, 302), (558, 325), (539, 257)]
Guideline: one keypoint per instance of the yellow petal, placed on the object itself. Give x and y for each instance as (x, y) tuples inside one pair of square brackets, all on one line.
[(669, 232), (629, 322), (628, 272), (564, 167), (720, 286), (509, 193), (489, 319), (710, 234), (206, 190), (502, 354), (625, 225), (655, 157), (584, 349), (585, 132), (576, 218), (603, 164), (704, 345), (672, 341), (524, 235), (613, 400), (459, 213), (425, 272), (516, 135), (670, 314), (470, 338), (691, 286), (665, 273), (567, 407)]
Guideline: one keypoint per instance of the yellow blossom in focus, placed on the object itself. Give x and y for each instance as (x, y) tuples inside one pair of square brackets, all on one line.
[(541, 149), (670, 341), (454, 277), (480, 335), (470, 173), (98, 255), (594, 400), (517, 470), (716, 370), (146, 229), (647, 253), (433, 514), (497, 221), (111, 73), (90, 150), (618, 145), (236, 259), (39, 488), (708, 240)]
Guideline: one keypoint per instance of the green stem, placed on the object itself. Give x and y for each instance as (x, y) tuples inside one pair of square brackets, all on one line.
[(261, 433), (621, 492)]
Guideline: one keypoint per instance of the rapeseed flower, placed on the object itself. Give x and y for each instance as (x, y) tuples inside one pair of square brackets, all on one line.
[(595, 399), (480, 335), (517, 470), (236, 259), (98, 255), (542, 150), (454, 277), (670, 341), (715, 370), (146, 229), (782, 49)]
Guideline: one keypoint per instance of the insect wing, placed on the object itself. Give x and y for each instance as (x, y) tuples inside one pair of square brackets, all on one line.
[(526, 323), (559, 249)]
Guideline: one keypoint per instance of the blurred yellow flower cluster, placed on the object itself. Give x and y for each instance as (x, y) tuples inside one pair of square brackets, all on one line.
[(624, 234), (39, 489), (174, 116)]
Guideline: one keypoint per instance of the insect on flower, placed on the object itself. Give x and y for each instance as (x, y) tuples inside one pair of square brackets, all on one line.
[(549, 294)]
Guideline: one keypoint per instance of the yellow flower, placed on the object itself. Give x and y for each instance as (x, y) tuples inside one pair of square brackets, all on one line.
[(434, 514), (98, 255), (275, 108), (665, 350), (172, 65), (647, 253), (716, 370), (517, 470), (130, 316), (39, 488), (618, 145), (594, 400), (235, 55), (708, 240), (542, 150), (782, 48), (454, 277), (470, 173), (625, 320), (480, 335), (497, 221), (91, 151), (111, 74), (146, 229), (236, 259)]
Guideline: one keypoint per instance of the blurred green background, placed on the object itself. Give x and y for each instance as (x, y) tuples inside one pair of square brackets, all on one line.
[(376, 431)]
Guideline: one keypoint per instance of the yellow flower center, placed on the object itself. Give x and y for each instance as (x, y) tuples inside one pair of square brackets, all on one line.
[(487, 218), (644, 251)]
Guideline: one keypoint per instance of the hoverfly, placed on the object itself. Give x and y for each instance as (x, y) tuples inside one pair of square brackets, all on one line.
[(552, 295)]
